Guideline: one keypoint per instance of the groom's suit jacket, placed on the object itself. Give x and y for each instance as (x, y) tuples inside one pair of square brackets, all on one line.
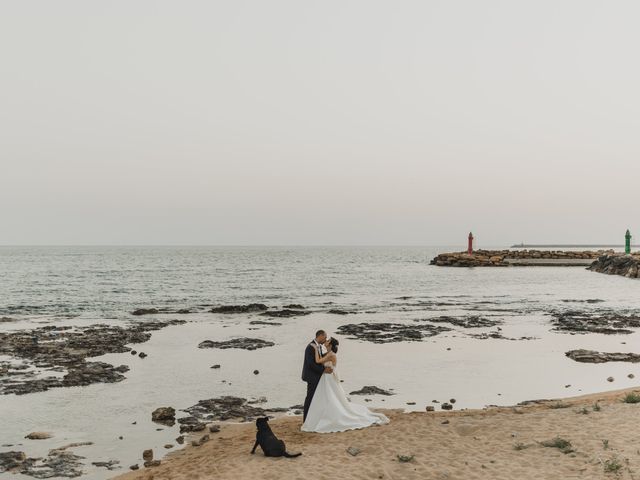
[(311, 371)]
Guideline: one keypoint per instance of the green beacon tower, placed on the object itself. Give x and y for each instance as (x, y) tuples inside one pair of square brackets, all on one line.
[(627, 242)]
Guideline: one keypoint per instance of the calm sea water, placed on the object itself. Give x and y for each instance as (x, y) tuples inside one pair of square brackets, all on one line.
[(85, 285), (108, 282)]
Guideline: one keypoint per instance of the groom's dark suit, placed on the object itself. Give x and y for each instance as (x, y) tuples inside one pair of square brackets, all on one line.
[(311, 373)]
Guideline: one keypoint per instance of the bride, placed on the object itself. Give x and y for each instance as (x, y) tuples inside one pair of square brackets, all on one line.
[(331, 410)]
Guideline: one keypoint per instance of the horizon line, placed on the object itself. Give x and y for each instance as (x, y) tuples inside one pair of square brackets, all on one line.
[(462, 244)]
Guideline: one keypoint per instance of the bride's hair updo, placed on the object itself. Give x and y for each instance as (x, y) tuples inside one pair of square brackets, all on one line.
[(334, 344)]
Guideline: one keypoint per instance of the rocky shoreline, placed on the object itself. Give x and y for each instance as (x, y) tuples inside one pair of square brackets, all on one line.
[(505, 258), (56, 356), (555, 438), (617, 264)]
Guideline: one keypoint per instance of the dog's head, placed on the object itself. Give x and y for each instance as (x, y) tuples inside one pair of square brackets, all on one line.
[(262, 424)]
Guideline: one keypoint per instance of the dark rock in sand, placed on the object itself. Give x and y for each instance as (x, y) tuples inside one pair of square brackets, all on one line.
[(337, 311), (200, 441), (390, 332), (371, 390), (256, 372), (147, 455), (353, 451), (242, 343), (252, 307), (214, 428), (152, 463), (134, 467), (591, 356), (142, 355), (180, 440), (285, 313), (430, 408), (215, 367), (191, 424), (446, 406), (294, 306)]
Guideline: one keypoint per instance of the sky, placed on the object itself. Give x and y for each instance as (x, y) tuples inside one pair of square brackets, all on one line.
[(292, 122)]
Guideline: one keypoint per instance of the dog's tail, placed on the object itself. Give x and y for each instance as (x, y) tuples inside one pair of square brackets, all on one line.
[(289, 455)]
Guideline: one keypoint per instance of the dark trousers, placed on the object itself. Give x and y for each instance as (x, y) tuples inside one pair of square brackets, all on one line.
[(311, 390)]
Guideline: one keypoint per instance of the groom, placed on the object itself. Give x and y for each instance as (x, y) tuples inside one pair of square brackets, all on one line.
[(312, 371)]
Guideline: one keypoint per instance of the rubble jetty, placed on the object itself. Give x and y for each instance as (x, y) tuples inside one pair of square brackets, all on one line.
[(617, 264), (506, 258)]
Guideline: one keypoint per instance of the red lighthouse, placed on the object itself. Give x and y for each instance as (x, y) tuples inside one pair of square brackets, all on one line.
[(470, 247)]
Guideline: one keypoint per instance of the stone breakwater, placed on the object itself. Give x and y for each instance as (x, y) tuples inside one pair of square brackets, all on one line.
[(618, 264), (505, 258)]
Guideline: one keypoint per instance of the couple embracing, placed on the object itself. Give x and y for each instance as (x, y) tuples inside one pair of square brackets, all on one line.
[(327, 408)]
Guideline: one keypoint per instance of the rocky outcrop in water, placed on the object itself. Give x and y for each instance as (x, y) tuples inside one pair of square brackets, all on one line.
[(591, 356), (263, 322), (164, 415), (469, 321), (617, 264), (285, 313), (11, 460), (154, 311), (224, 408), (371, 390), (390, 332), (609, 323), (461, 259), (58, 463), (500, 258), (242, 343), (64, 351), (497, 336), (250, 308)]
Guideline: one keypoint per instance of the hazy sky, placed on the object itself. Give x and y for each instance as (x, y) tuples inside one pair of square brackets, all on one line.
[(324, 122)]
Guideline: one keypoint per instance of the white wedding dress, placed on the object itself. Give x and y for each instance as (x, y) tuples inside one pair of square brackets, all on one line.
[(331, 410)]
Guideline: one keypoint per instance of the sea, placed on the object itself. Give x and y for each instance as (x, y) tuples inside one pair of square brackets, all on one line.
[(78, 286)]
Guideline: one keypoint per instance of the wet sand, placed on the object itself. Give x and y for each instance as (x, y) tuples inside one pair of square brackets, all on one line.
[(492, 443)]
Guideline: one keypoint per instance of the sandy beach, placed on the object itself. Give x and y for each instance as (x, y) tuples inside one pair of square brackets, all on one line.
[(493, 443)]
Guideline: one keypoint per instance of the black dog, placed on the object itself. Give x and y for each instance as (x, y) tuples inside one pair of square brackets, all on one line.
[(271, 446)]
